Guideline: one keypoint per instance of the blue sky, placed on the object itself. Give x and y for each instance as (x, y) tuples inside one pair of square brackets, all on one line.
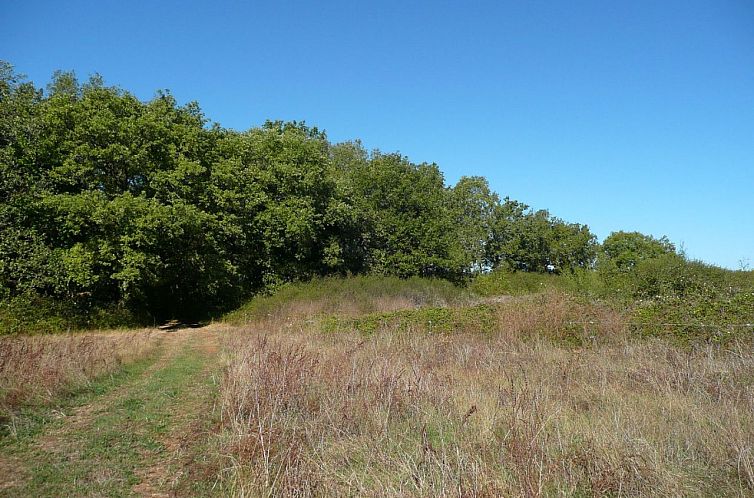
[(621, 115)]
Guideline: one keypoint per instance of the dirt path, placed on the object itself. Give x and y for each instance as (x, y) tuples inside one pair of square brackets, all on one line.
[(142, 438)]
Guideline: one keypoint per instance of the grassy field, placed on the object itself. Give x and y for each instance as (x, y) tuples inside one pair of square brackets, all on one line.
[(136, 431), (382, 387)]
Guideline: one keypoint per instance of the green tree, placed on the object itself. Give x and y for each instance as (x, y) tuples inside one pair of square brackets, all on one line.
[(407, 210), (626, 249), (108, 201), (531, 240), (475, 209)]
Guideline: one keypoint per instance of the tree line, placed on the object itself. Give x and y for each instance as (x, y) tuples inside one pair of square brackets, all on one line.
[(109, 201)]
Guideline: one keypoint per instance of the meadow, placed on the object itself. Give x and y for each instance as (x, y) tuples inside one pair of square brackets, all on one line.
[(376, 386)]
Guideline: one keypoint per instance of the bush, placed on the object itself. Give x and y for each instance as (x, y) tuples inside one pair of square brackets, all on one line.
[(35, 314), (667, 296), (516, 283)]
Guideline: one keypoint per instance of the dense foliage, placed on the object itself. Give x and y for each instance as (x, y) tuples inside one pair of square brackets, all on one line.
[(108, 202), (115, 210), (626, 249), (665, 295)]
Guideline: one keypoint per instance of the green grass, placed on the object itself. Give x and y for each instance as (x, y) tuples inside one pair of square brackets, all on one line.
[(31, 419), (125, 432), (480, 318)]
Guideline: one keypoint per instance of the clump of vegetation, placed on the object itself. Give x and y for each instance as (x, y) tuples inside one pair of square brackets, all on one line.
[(693, 301), (660, 293), (552, 315)]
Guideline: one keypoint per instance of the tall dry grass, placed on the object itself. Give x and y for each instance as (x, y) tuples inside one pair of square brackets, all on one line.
[(515, 412), (36, 369)]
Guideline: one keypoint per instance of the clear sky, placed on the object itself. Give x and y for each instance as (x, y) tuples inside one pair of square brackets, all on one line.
[(634, 115)]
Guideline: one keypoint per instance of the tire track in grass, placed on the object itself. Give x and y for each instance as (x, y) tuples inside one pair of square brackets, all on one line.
[(132, 441), (178, 469), (35, 424)]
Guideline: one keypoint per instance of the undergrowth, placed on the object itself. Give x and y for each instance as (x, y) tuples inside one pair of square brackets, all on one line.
[(38, 315), (684, 301)]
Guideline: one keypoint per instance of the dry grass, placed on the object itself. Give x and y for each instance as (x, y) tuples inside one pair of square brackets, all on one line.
[(35, 369), (512, 412)]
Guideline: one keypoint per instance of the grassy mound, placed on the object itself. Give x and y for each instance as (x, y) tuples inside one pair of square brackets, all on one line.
[(350, 297)]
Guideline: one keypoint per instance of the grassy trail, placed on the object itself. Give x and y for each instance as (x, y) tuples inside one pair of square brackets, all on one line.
[(145, 433)]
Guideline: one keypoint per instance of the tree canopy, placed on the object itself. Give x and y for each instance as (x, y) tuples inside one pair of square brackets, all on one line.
[(627, 249), (106, 200)]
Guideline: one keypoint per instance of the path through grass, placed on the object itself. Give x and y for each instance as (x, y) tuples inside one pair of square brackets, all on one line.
[(143, 435)]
